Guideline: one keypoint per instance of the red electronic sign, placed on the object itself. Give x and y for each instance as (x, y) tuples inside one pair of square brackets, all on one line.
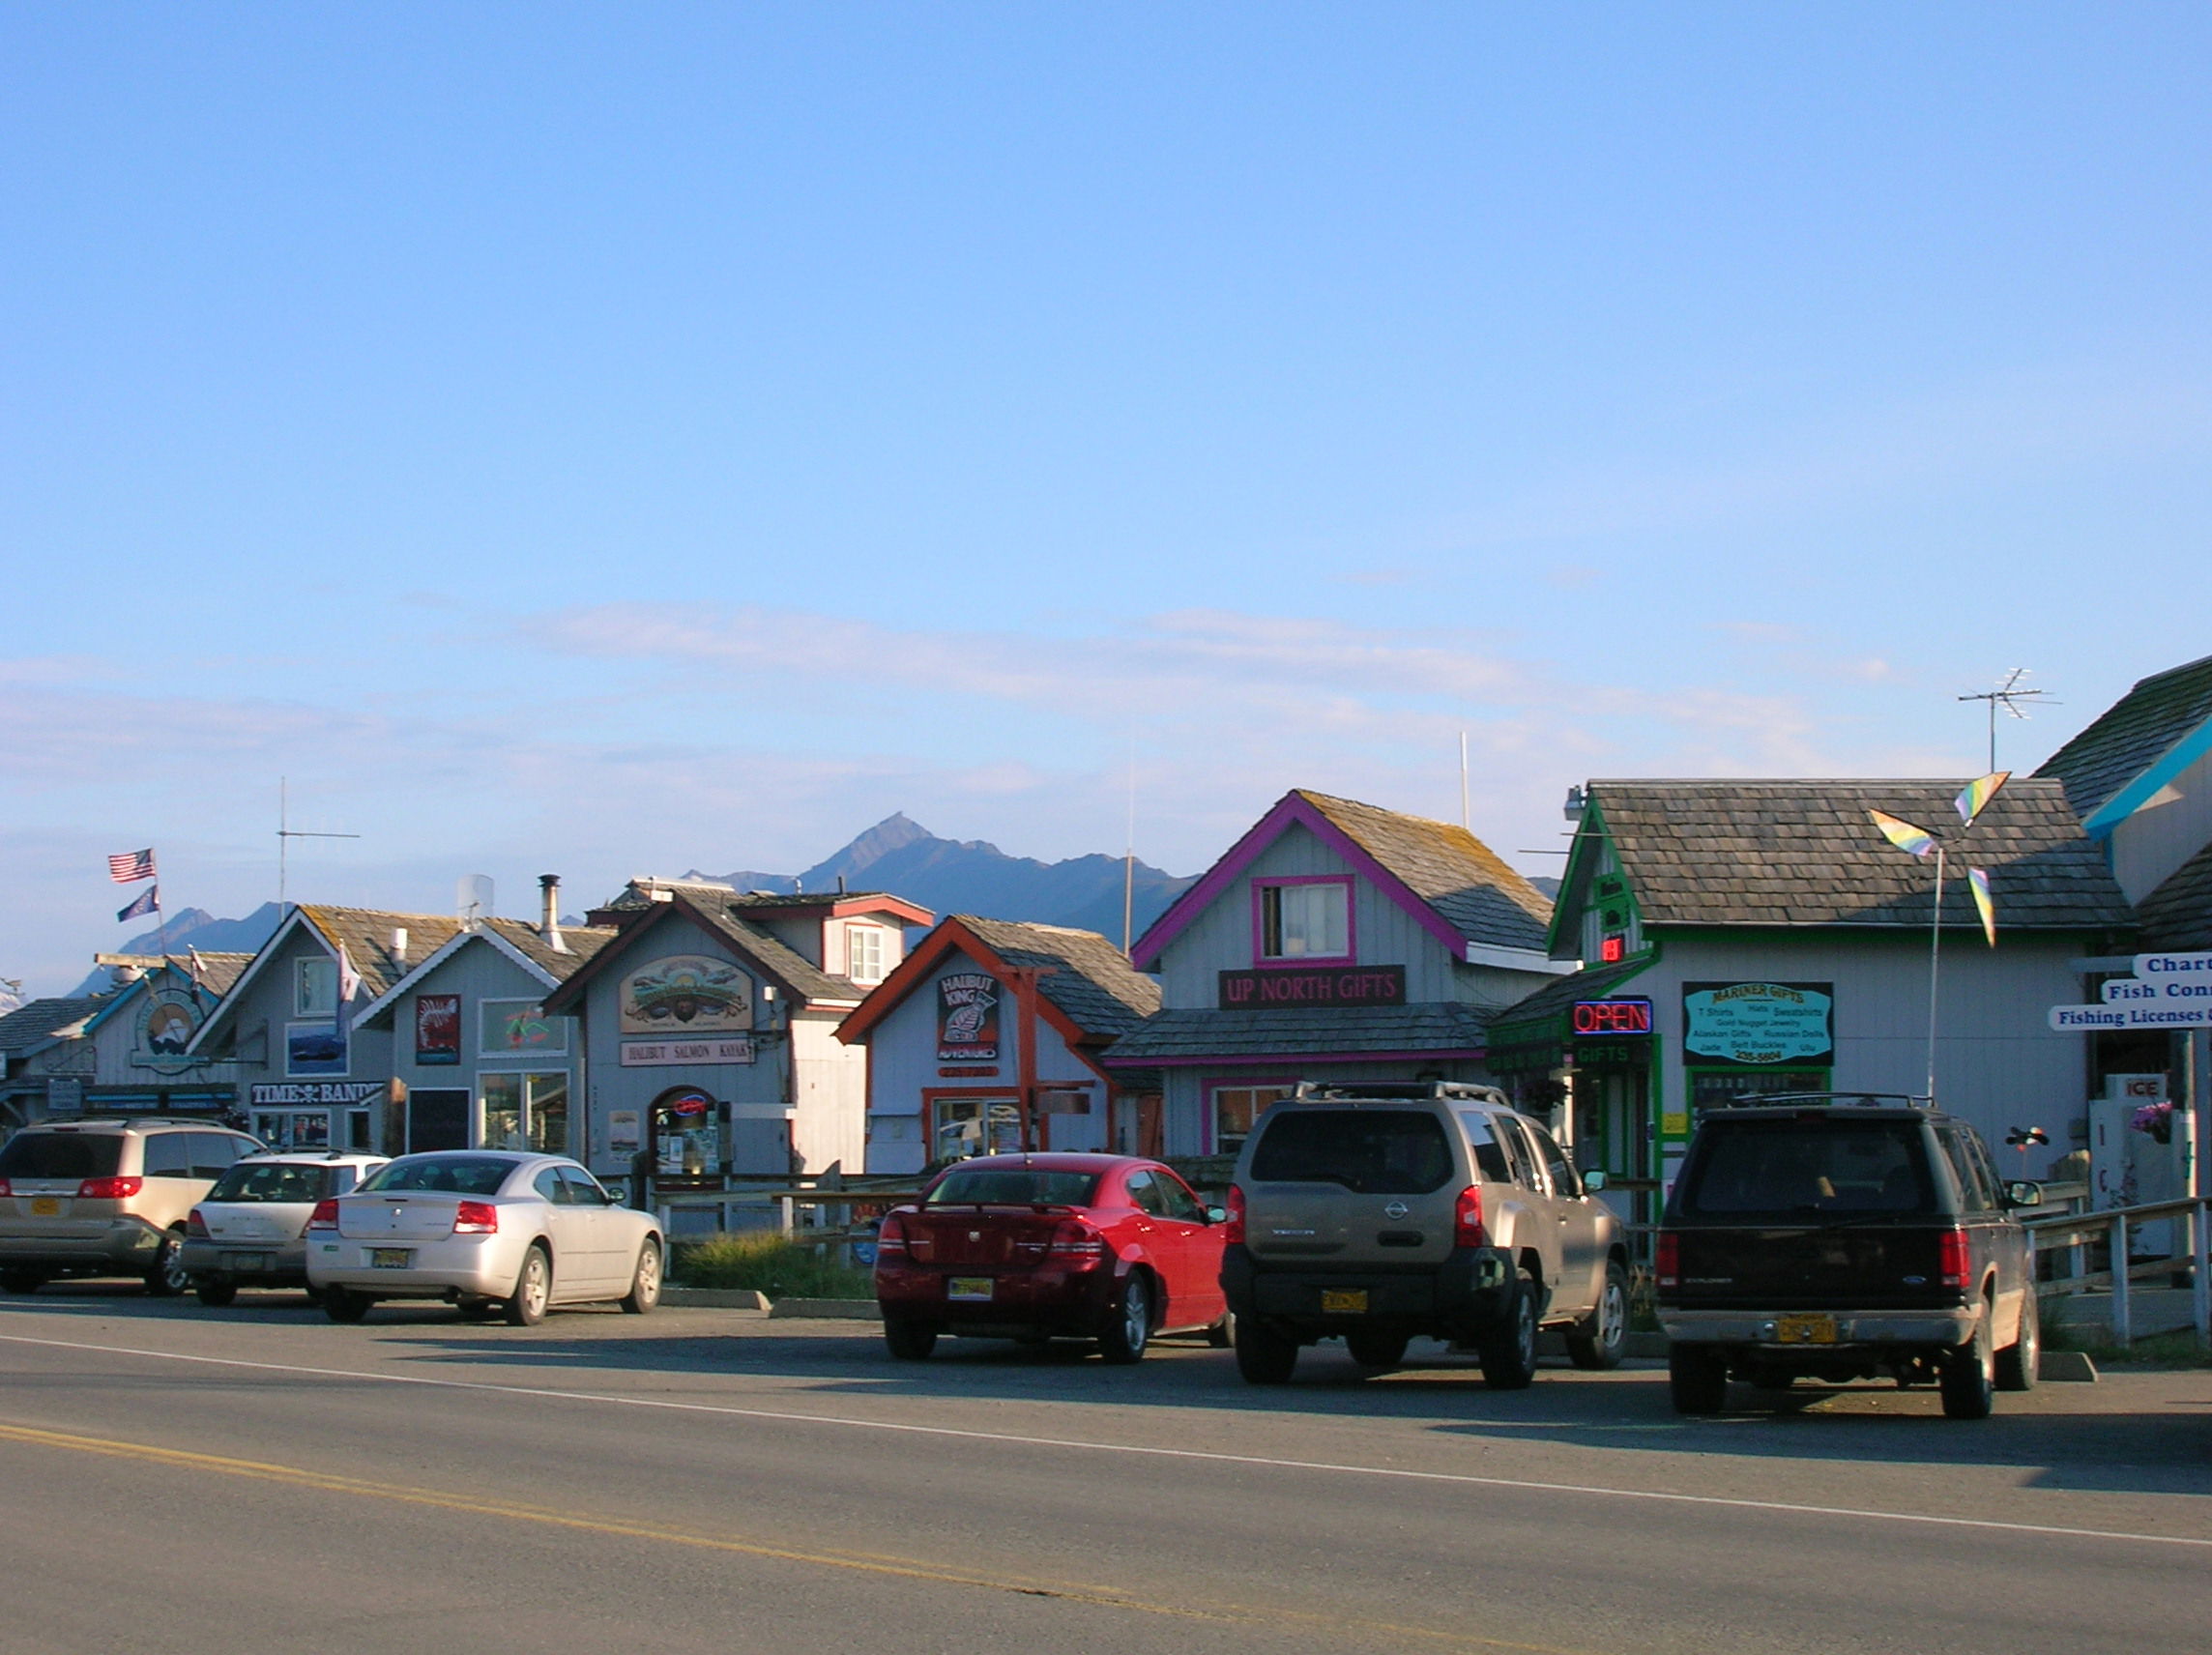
[(1611, 950), (1612, 1017)]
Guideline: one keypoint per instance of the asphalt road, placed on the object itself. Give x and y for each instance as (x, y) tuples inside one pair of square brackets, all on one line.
[(259, 1479)]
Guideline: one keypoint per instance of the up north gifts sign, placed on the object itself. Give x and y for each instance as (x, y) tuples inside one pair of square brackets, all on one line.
[(1288, 988)]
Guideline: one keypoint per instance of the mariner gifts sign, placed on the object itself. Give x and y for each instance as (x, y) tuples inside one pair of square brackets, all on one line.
[(1292, 988), (1752, 1024)]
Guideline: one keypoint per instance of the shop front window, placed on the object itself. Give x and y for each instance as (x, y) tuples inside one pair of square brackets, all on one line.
[(965, 1126), (1718, 1089), (1235, 1108), (526, 1112)]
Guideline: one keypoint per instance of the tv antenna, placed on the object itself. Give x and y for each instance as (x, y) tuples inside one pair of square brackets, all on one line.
[(2008, 695), (287, 833)]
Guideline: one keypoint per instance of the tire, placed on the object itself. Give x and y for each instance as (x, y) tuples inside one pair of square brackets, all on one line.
[(1508, 1352), (217, 1295), (23, 1280), (910, 1341), (532, 1290), (1266, 1356), (2017, 1362), (1223, 1333), (1969, 1376), (1598, 1340), (165, 1276), (643, 1282), (1768, 1378), (1371, 1347), (344, 1304), (1125, 1336), (1697, 1379)]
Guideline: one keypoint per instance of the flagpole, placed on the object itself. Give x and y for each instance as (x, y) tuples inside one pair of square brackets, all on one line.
[(1934, 959)]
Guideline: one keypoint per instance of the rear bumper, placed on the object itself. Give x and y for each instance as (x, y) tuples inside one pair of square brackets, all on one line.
[(1463, 1298), (1928, 1329), (1075, 1302), (440, 1269), (114, 1246)]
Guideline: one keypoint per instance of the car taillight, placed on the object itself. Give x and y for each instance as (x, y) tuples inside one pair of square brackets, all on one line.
[(476, 1218), (111, 1189), (4, 1189), (891, 1240), (1467, 1228), (1232, 1232), (196, 1226), (1075, 1242), (324, 1217), (1669, 1261), (1952, 1258)]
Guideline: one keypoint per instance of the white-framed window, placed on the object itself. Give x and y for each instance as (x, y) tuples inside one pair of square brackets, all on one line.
[(1304, 919), (866, 958), (315, 988), (526, 1112)]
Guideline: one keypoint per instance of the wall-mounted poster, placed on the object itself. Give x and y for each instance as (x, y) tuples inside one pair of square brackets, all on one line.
[(437, 1029), (686, 994), (314, 1048), (968, 1018), (1755, 1024), (520, 1029)]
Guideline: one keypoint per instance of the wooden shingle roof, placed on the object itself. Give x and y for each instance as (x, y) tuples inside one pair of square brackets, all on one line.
[(1309, 1034), (365, 934), (2177, 916), (2139, 729), (1099, 990), (1806, 853), (1448, 868)]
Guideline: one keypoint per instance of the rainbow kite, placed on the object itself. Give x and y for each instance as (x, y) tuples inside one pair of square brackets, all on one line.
[(1978, 792), (1913, 841), (1978, 880)]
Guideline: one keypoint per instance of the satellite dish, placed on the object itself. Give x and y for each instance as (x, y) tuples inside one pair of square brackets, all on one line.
[(471, 896)]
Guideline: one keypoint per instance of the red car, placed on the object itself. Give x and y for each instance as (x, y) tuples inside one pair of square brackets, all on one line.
[(1038, 1247)]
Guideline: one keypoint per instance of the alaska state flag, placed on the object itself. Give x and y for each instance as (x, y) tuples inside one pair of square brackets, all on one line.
[(147, 901)]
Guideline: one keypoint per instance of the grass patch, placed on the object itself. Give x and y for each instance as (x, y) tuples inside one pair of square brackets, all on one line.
[(768, 1262), (2178, 1350)]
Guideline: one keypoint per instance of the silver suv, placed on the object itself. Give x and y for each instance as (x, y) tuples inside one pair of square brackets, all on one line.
[(106, 1198), (1380, 1212)]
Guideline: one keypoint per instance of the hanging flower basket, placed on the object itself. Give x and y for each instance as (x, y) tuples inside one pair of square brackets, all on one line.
[(2155, 1118)]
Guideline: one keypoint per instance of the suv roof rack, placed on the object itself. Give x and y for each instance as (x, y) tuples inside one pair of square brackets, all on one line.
[(1396, 1090), (1860, 1100)]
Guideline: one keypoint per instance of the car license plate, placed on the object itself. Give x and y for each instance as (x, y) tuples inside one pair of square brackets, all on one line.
[(1805, 1330), (1344, 1301), (251, 1263), (391, 1258), (45, 1207), (968, 1288)]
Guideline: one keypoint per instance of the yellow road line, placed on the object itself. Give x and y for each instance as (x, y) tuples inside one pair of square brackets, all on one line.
[(910, 1569)]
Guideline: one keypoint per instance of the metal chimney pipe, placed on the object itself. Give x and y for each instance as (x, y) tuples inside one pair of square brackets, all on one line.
[(549, 913)]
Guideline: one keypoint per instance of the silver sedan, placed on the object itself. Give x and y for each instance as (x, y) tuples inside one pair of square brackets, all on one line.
[(487, 1230)]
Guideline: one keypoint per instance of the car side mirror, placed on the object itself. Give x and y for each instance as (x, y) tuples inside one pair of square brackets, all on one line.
[(2024, 1193), (1593, 1182), (1217, 1215)]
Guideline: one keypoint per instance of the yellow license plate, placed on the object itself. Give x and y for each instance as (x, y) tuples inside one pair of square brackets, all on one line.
[(968, 1288), (45, 1207), (1805, 1330), (1344, 1301), (391, 1258)]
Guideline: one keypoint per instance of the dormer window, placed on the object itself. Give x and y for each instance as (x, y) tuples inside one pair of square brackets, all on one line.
[(864, 954), (1302, 918)]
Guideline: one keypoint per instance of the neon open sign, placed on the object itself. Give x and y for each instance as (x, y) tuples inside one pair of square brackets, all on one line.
[(1612, 1017)]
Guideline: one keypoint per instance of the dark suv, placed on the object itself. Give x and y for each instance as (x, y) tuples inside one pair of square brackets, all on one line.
[(1845, 1236)]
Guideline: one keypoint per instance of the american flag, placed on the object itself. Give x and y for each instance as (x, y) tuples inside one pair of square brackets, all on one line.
[(128, 867)]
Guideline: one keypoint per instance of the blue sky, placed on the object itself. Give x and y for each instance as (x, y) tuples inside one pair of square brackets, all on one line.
[(613, 439)]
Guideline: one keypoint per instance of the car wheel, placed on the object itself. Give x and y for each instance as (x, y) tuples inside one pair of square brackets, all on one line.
[(217, 1295), (23, 1280), (1223, 1333), (533, 1288), (2017, 1362), (644, 1281), (1508, 1352), (1371, 1347), (344, 1304), (1968, 1376), (910, 1341), (1768, 1378), (165, 1276), (1266, 1356), (1131, 1329), (1599, 1339), (1697, 1379)]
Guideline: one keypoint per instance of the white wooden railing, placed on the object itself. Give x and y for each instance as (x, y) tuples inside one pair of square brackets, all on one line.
[(2073, 1234)]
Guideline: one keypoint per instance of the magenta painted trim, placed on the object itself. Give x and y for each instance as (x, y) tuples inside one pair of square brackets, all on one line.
[(1262, 959), (1210, 1117), (1229, 1061), (1290, 808)]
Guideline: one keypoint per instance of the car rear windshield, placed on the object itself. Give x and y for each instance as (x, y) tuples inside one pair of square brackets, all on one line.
[(61, 1155), (1012, 1186), (273, 1182), (1372, 1152), (447, 1175), (1802, 1166)]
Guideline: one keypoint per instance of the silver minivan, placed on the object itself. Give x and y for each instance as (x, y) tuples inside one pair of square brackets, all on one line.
[(1381, 1213)]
